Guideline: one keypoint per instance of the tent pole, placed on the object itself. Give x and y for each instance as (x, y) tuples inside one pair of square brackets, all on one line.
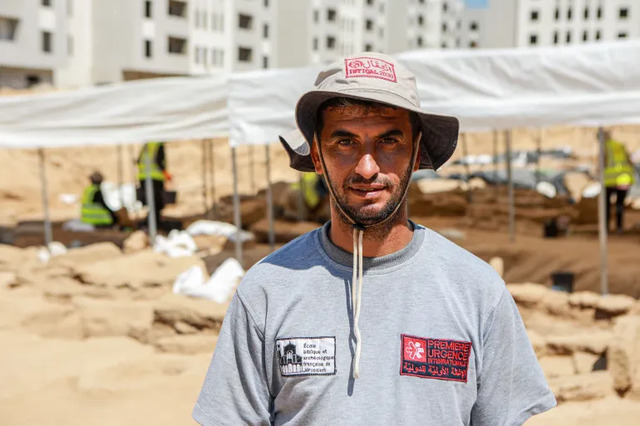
[(212, 184), (237, 220), (538, 154), (151, 202), (120, 176), (272, 236), (203, 153), (495, 164), (602, 216), (465, 154), (48, 233), (512, 224)]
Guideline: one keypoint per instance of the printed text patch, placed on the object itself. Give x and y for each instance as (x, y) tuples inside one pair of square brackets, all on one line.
[(306, 356), (435, 358), (369, 67)]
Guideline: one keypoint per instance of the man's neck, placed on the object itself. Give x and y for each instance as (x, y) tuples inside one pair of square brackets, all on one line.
[(374, 243)]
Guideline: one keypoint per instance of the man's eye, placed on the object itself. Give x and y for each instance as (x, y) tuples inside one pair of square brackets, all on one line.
[(389, 141), (344, 142)]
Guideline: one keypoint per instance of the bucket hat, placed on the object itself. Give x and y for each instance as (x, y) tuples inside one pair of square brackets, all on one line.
[(373, 77)]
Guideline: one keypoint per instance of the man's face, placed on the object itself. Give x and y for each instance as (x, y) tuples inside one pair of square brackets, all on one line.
[(367, 155)]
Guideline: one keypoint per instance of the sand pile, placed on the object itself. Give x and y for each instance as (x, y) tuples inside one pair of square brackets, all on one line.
[(95, 336)]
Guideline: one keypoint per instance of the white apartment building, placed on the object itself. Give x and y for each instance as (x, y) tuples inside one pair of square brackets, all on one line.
[(118, 40), (520, 23), (33, 41)]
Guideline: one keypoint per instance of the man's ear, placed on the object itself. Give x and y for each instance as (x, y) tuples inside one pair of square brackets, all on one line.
[(315, 155), (416, 165)]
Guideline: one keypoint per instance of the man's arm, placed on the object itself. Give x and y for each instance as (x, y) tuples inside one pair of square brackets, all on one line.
[(511, 384), (235, 390)]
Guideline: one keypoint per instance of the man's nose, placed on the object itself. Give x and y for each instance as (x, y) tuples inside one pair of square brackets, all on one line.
[(367, 167)]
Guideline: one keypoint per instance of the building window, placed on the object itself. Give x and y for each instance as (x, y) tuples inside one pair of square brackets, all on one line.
[(197, 18), (331, 42), (585, 35), (244, 54), (147, 9), (176, 45), (177, 8), (445, 7), (599, 12), (473, 44), (533, 39), (204, 56), (443, 45), (473, 26), (266, 3), (598, 35), (569, 14), (245, 21), (315, 43), (557, 14), (419, 41), (420, 20), (46, 41), (586, 13), (623, 13), (622, 35), (370, 2), (369, 24), (69, 45), (221, 52), (8, 28), (331, 15), (265, 62), (555, 37), (316, 16), (568, 38), (32, 80), (148, 50), (534, 15), (265, 31), (196, 52), (46, 3), (444, 27), (368, 48)]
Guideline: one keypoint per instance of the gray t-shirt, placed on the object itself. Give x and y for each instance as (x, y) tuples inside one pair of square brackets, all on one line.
[(442, 342)]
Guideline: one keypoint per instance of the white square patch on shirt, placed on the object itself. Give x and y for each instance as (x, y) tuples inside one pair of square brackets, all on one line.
[(306, 356)]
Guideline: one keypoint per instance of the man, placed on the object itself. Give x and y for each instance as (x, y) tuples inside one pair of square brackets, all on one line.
[(618, 177), (371, 319), (94, 209), (158, 172)]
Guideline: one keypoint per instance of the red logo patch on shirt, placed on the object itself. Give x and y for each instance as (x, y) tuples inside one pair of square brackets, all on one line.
[(435, 358), (365, 66)]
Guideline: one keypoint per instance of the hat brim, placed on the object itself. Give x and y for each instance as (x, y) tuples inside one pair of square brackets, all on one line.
[(439, 133)]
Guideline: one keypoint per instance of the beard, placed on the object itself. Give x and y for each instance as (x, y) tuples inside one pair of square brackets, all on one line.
[(368, 216)]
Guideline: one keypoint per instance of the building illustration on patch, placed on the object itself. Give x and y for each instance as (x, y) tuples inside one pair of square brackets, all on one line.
[(290, 361)]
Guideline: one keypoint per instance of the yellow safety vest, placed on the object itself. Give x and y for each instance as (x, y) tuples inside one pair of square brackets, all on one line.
[(308, 185), (150, 150), (618, 170), (92, 212)]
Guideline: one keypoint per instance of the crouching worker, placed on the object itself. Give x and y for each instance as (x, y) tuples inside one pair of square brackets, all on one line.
[(95, 210)]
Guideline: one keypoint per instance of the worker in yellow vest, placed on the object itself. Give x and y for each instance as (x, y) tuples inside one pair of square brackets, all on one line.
[(94, 209), (618, 177), (158, 171)]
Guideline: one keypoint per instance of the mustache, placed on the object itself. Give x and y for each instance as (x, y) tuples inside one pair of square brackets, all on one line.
[(357, 179)]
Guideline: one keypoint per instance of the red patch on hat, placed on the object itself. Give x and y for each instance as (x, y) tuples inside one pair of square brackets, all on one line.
[(368, 67), (435, 358)]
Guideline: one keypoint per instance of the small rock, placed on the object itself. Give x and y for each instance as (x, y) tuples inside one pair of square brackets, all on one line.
[(594, 342), (624, 356), (183, 328), (582, 387), (498, 264), (137, 241), (614, 305), (527, 295), (584, 299), (556, 303)]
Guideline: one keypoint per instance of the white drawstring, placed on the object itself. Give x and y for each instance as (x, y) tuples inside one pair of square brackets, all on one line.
[(356, 296)]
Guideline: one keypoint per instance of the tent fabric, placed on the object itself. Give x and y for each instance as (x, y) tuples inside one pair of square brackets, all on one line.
[(176, 108), (584, 85)]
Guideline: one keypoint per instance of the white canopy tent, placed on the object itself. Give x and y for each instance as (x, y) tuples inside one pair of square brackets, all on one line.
[(587, 85)]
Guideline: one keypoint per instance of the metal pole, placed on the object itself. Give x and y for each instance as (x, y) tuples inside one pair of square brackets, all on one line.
[(512, 222), (252, 166), (205, 204), (120, 176), (602, 216), (214, 211), (495, 164), (272, 234), (151, 202), (237, 220), (538, 154), (48, 232), (465, 154)]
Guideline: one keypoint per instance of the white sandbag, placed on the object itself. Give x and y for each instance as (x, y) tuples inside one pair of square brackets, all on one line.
[(592, 190), (68, 199), (176, 244), (547, 189), (54, 249), (212, 227), (218, 288), (116, 197)]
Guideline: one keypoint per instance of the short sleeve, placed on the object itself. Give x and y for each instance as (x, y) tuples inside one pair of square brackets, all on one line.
[(235, 389), (511, 384)]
